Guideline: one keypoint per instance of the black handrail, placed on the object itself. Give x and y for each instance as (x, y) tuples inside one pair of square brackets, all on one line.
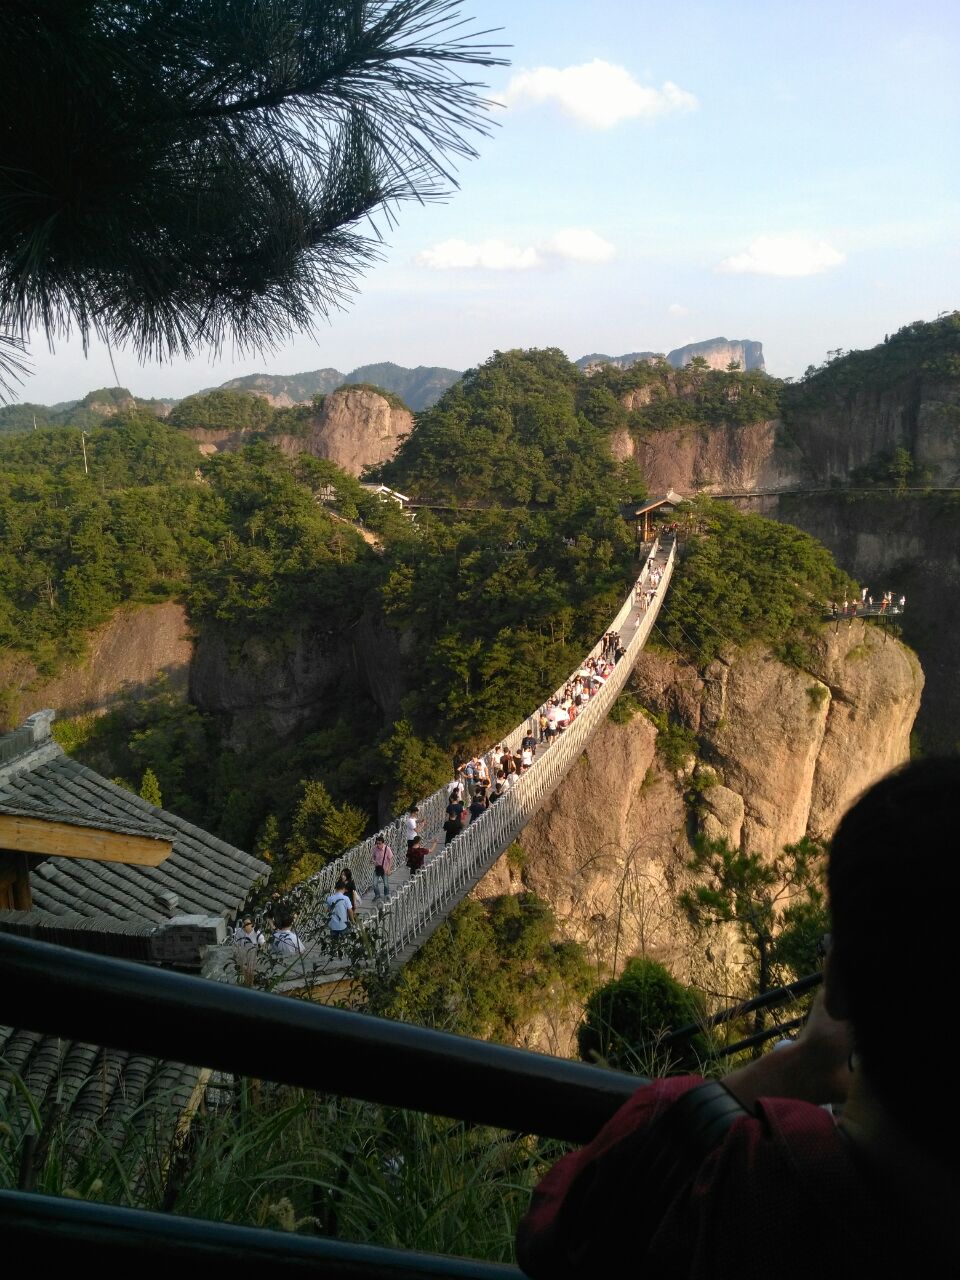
[(779, 995), (168, 1015), (55, 1231), (758, 1037)]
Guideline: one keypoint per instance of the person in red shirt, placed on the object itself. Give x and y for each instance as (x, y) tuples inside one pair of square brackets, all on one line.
[(750, 1176)]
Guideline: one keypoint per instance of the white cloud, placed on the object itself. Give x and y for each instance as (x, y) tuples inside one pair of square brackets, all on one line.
[(597, 94), (570, 244), (792, 255), (579, 244), (677, 309), (490, 255)]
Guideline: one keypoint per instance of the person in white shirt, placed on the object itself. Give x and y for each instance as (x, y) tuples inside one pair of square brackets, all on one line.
[(248, 936), (410, 826), (284, 941)]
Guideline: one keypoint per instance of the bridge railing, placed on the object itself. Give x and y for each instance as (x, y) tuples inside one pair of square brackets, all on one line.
[(447, 876)]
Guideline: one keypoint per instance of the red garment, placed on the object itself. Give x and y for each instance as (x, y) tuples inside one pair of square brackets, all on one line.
[(784, 1194)]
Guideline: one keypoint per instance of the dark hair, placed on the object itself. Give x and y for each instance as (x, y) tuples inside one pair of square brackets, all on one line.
[(285, 919), (893, 877)]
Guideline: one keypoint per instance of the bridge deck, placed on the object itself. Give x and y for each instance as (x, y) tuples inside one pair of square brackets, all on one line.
[(419, 903)]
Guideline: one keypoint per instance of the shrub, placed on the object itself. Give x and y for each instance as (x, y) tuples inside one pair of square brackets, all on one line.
[(626, 1019)]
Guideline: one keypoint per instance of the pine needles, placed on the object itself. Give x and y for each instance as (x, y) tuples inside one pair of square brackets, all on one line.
[(186, 173)]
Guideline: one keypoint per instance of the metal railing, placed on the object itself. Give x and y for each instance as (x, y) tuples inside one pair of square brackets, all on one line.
[(453, 872), (120, 1005)]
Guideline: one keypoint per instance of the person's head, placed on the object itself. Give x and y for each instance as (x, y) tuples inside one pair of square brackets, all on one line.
[(248, 925), (415, 842), (285, 919), (414, 811), (380, 841), (893, 880)]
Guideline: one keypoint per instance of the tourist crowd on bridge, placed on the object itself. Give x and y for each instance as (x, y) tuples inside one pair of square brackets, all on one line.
[(478, 784)]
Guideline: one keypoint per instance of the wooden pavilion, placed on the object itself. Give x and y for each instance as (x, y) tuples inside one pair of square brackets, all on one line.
[(643, 514)]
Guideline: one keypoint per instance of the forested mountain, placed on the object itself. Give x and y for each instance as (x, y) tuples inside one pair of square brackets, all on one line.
[(95, 408), (417, 388), (472, 615)]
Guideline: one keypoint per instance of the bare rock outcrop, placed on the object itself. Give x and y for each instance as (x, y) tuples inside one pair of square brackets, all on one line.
[(605, 850), (356, 427), (122, 658), (717, 459), (783, 752)]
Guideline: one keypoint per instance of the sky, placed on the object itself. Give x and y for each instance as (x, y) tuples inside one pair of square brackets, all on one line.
[(657, 175)]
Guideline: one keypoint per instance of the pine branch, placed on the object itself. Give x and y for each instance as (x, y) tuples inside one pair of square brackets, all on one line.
[(175, 173)]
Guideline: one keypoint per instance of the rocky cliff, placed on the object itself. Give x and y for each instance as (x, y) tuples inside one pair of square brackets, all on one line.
[(781, 753), (355, 428), (909, 544), (860, 426), (718, 353), (122, 658), (693, 459), (283, 685)]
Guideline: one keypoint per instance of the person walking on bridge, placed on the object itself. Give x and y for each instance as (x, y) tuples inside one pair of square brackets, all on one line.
[(416, 852), (382, 866), (410, 826)]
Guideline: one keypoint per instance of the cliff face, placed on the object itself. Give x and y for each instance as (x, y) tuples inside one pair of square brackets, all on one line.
[(782, 753), (283, 686), (919, 413), (910, 545), (715, 460), (718, 352), (355, 428), (123, 657)]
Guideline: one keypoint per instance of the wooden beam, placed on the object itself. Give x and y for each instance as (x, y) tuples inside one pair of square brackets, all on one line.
[(45, 836)]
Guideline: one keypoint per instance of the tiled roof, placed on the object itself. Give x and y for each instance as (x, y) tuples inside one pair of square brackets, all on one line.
[(202, 876), (103, 1096)]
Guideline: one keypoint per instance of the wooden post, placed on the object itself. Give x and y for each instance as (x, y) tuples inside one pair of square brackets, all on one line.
[(15, 894)]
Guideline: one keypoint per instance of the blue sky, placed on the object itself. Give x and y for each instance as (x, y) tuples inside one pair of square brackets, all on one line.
[(659, 175)]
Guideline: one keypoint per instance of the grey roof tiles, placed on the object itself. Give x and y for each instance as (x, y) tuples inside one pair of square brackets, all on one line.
[(202, 876)]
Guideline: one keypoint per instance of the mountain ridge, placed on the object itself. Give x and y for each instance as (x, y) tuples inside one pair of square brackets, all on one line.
[(419, 387)]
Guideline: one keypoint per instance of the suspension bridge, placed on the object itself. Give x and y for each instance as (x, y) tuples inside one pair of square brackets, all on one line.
[(420, 902)]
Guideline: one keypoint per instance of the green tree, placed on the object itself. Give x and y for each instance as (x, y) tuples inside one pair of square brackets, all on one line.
[(321, 831), (746, 578), (900, 468), (489, 967), (776, 905), (626, 1019), (223, 410), (185, 173), (150, 788)]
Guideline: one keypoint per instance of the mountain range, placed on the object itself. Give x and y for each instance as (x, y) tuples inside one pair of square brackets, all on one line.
[(418, 388)]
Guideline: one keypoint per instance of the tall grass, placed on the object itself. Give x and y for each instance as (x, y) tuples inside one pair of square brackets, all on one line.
[(263, 1155)]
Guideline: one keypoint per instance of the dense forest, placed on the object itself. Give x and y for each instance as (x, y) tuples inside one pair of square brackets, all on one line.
[(493, 605), (490, 599)]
